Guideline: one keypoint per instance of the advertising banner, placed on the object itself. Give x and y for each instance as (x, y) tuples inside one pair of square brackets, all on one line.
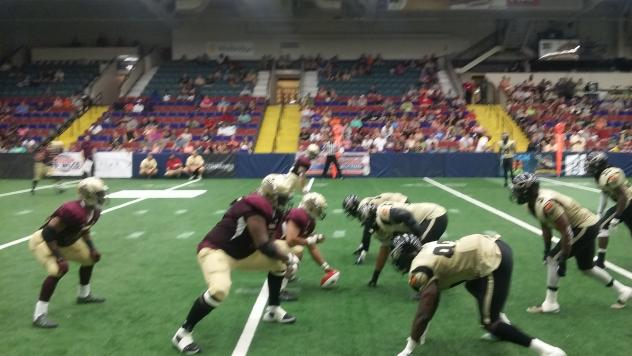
[(67, 164), (351, 163), (219, 165), (113, 164), (575, 164), (545, 164)]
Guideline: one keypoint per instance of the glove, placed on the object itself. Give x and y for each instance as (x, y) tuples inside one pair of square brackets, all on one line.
[(373, 281), (95, 255), (315, 239), (561, 267), (361, 257), (614, 222), (63, 266)]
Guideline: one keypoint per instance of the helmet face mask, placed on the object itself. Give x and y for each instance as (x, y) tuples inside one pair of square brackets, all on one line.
[(525, 186), (367, 214), (350, 205), (404, 249), (596, 162)]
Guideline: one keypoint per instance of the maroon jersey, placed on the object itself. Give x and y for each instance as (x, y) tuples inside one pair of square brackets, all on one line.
[(231, 233), (77, 219), (301, 218), (302, 161)]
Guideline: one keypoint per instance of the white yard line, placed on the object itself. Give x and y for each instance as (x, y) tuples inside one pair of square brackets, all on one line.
[(106, 211), (514, 220), (571, 185), (63, 184), (308, 186), (248, 333)]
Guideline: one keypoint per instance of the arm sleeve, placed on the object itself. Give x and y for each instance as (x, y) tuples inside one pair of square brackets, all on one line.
[(402, 216), (603, 200)]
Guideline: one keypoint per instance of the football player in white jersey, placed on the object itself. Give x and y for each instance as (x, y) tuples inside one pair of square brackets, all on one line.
[(614, 185), (578, 228)]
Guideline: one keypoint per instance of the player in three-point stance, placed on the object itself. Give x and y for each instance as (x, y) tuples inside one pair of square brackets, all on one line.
[(578, 228), (240, 240), (483, 262), (66, 237), (352, 205), (614, 185), (427, 221)]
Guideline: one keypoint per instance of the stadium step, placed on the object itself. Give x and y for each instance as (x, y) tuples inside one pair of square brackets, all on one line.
[(495, 120), (289, 129), (268, 130), (80, 125)]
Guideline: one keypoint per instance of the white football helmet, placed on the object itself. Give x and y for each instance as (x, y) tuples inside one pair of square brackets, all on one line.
[(313, 150), (277, 189), (315, 204), (92, 190)]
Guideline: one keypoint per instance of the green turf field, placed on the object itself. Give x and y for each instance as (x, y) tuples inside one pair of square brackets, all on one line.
[(150, 277)]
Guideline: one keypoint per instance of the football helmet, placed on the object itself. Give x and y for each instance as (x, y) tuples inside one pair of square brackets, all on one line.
[(524, 186), (315, 204), (404, 248), (367, 214), (313, 151), (350, 205), (596, 162), (277, 189), (92, 191)]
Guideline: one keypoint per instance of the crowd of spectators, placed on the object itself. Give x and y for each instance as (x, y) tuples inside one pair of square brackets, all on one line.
[(591, 122), (42, 77)]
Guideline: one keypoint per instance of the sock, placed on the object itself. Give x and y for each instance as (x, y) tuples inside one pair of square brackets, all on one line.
[(510, 333), (48, 287), (41, 307), (539, 346), (34, 185), (601, 254), (284, 283), (201, 307), (552, 279), (85, 272), (84, 290), (600, 275), (616, 285), (551, 296), (274, 289)]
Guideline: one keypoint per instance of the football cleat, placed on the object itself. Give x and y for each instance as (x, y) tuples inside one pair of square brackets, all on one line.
[(43, 322), (278, 315), (183, 341), (623, 298), (90, 299), (287, 296), (545, 308)]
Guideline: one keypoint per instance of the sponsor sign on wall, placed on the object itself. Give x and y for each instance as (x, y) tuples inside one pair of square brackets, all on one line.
[(113, 164), (351, 163), (575, 164), (67, 164)]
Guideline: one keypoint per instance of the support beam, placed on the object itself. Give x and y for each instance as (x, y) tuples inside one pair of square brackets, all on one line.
[(158, 8)]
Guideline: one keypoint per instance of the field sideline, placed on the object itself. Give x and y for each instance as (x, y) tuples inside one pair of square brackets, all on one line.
[(150, 276)]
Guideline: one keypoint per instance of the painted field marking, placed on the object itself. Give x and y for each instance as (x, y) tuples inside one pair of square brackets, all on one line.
[(308, 186), (23, 212), (185, 235), (219, 212), (106, 211), (571, 185), (134, 235), (156, 194), (337, 211), (338, 234), (141, 212), (514, 220), (454, 211), (320, 185), (243, 344), (180, 211), (64, 185)]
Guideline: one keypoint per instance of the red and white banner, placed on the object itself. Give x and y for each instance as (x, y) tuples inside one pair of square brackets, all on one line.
[(67, 164), (351, 163)]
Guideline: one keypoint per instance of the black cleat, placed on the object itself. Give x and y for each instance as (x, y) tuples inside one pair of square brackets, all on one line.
[(287, 296), (90, 299), (43, 322)]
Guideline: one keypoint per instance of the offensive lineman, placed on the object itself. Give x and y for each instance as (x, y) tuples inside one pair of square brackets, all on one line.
[(483, 262), (240, 240), (352, 204), (614, 185), (427, 221), (507, 149), (578, 228), (66, 237)]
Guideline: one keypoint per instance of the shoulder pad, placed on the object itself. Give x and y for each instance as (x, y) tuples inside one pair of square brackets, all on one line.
[(303, 161), (71, 213), (260, 204)]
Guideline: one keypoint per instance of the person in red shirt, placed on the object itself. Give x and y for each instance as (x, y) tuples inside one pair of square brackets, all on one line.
[(174, 167)]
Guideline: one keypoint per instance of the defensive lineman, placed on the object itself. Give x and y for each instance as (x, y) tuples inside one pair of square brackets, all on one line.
[(483, 262), (578, 228)]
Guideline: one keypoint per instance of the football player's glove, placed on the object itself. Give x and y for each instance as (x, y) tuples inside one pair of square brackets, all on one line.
[(596, 162), (315, 239)]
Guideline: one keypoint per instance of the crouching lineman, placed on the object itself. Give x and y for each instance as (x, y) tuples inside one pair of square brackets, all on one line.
[(613, 185), (66, 237), (352, 204), (483, 262), (240, 240), (298, 227), (578, 228), (427, 221)]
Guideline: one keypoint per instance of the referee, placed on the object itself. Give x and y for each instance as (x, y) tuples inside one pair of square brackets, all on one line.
[(507, 151), (330, 149)]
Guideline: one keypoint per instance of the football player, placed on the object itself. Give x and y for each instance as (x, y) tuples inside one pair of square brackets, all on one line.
[(298, 228), (66, 237), (427, 221), (578, 228), (483, 262), (507, 149), (240, 240), (351, 205), (298, 171), (42, 166), (613, 185)]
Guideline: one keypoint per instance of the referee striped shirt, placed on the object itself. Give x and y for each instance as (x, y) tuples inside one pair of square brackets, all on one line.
[(330, 148)]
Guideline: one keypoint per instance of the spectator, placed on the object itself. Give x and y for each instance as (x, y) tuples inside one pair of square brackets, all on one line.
[(466, 143), (246, 91), (387, 130), (206, 102), (379, 143), (226, 130), (138, 107), (194, 166), (22, 108), (244, 118), (58, 76), (246, 145), (481, 145), (578, 141), (199, 81), (173, 167), (184, 138), (223, 105), (166, 97), (148, 167)]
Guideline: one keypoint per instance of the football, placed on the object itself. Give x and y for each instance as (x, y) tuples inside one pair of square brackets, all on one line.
[(330, 279)]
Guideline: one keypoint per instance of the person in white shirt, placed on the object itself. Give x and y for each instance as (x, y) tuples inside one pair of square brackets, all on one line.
[(578, 142), (387, 130), (379, 142), (481, 145), (148, 166), (227, 130), (138, 107), (330, 148), (466, 143)]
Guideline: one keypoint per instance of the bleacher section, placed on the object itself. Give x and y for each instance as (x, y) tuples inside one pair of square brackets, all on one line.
[(167, 79), (35, 79)]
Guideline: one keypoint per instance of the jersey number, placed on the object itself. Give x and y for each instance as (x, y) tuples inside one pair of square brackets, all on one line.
[(445, 249)]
